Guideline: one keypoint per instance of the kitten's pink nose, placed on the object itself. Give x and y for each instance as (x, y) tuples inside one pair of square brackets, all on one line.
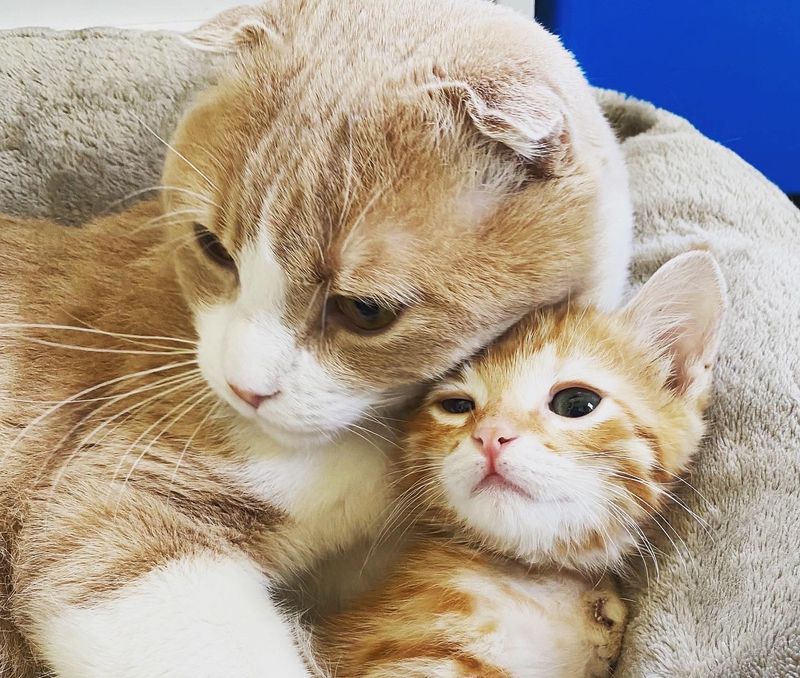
[(493, 435), (251, 398)]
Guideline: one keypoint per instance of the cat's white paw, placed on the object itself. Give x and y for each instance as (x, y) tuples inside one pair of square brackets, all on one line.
[(200, 617)]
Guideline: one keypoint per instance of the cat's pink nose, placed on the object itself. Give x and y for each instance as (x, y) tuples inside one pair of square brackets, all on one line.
[(493, 435), (251, 398)]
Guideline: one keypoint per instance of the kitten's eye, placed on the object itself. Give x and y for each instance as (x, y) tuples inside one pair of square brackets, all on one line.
[(212, 247), (457, 405), (365, 314), (574, 402)]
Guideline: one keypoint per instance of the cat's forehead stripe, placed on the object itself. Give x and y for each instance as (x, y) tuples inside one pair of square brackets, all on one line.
[(262, 280)]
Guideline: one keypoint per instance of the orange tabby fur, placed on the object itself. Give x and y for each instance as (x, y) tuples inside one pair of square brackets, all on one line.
[(513, 586), (328, 161)]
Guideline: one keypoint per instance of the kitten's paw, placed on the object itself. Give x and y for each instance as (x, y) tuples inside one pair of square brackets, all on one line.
[(607, 617)]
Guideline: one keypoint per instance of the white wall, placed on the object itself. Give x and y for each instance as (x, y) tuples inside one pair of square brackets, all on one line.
[(177, 15)]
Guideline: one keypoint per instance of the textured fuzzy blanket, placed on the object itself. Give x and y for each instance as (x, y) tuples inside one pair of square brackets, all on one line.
[(725, 597)]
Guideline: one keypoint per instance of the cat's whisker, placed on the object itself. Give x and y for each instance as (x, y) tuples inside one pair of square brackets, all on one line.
[(348, 179), (93, 349), (210, 183), (189, 441), (177, 217), (155, 188), (195, 398), (171, 218), (116, 380), (324, 312), (165, 386), (210, 156), (180, 241), (312, 302), (91, 330), (376, 195)]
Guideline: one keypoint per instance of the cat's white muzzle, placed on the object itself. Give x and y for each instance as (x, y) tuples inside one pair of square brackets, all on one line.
[(256, 354)]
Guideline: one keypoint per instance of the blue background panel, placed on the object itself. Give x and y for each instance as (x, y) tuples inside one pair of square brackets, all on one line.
[(730, 67)]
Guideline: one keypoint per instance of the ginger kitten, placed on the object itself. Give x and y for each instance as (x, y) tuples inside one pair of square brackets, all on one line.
[(537, 468), (194, 391)]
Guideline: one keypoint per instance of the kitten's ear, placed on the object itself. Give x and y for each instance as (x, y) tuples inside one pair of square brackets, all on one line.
[(233, 30), (519, 112), (681, 309)]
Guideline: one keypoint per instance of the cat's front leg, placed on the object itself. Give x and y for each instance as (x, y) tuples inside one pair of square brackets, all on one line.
[(135, 593), (202, 616)]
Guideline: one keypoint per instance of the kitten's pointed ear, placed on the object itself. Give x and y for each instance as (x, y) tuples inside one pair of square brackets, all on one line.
[(681, 309), (519, 112), (234, 29)]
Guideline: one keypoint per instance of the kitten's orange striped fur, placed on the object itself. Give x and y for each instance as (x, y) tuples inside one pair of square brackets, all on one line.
[(523, 511)]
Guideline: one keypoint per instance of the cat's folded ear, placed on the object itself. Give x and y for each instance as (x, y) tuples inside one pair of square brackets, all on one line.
[(235, 29), (518, 111), (680, 310)]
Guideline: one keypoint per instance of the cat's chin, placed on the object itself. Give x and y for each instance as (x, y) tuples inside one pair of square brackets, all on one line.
[(262, 428)]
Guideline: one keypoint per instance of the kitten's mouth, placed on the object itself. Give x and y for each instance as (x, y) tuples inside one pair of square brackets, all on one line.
[(497, 483), (494, 482)]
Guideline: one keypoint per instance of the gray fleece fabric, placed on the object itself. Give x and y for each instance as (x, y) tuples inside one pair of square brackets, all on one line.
[(725, 601)]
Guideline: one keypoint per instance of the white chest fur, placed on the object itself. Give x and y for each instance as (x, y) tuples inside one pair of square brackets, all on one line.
[(333, 494), (537, 626)]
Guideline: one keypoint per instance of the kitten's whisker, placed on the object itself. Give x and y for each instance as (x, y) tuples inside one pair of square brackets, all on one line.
[(672, 497), (654, 519), (397, 511), (378, 420), (355, 430), (377, 435), (683, 480), (616, 517)]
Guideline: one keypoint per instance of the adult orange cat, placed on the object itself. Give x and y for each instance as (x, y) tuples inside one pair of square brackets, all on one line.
[(537, 467), (370, 193)]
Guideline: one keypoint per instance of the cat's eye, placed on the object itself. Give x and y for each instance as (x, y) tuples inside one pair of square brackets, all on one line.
[(574, 402), (365, 315), (212, 247), (457, 405)]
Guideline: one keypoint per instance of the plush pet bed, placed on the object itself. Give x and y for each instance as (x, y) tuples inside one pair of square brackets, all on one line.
[(725, 598)]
